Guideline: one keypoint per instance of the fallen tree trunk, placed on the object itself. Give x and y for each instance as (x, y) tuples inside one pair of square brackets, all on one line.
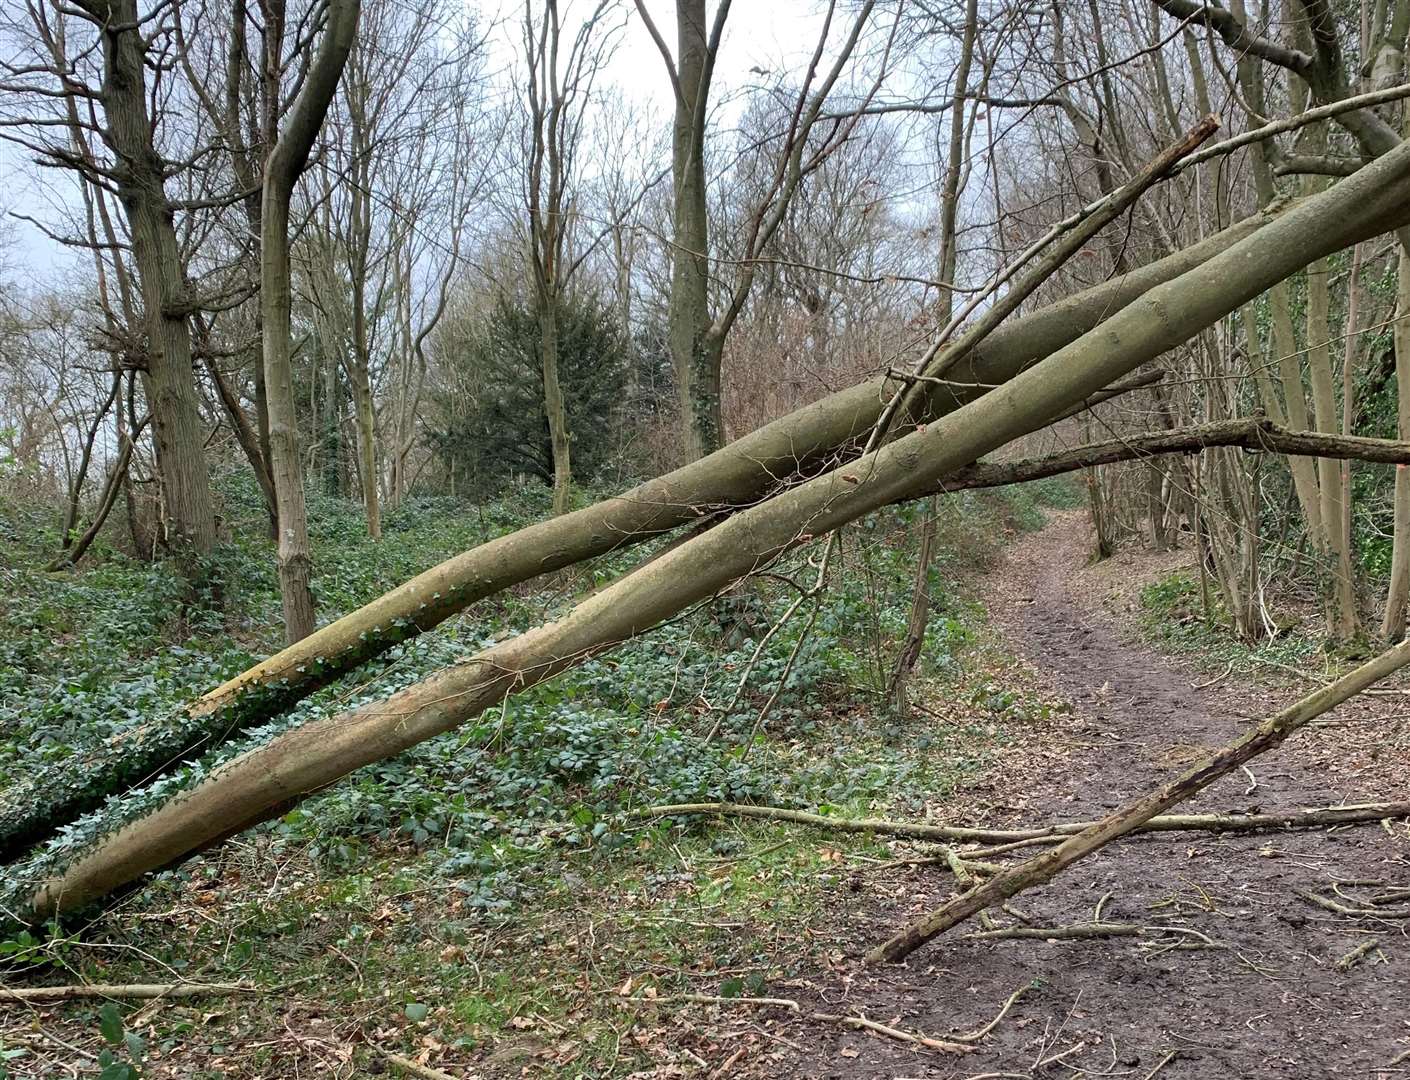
[(252, 787), (1272, 732), (920, 830), (1252, 433), (738, 475)]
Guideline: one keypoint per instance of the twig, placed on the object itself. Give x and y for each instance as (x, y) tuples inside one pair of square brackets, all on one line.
[(1097, 914), (1166, 1060), (1060, 933), (1356, 955), (713, 999), (1053, 1059), (123, 992), (1342, 909), (975, 1036), (406, 1065), (859, 1021), (1218, 678), (894, 1033)]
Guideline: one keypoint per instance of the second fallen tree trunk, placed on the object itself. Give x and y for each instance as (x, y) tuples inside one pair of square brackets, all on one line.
[(255, 785), (1251, 433), (924, 830), (1127, 819)]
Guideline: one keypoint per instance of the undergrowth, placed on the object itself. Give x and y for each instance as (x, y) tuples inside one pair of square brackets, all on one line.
[(516, 819), (1173, 614)]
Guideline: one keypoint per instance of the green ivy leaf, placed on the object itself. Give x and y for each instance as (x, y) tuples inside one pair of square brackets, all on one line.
[(416, 1012), (110, 1023)]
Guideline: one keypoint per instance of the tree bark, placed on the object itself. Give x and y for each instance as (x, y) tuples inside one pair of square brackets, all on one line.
[(554, 407), (695, 357)]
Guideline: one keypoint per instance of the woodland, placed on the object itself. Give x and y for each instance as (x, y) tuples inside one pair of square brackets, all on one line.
[(666, 538)]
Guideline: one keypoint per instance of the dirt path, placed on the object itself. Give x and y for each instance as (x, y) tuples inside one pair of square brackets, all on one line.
[(1267, 1002)]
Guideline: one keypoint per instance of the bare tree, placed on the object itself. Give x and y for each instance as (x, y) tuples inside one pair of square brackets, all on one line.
[(285, 163), (53, 85), (696, 333), (557, 93)]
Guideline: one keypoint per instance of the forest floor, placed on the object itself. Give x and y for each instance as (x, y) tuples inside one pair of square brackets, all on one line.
[(1061, 705), (1267, 999)]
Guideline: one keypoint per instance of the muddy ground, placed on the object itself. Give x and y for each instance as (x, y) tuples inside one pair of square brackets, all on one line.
[(1261, 995)]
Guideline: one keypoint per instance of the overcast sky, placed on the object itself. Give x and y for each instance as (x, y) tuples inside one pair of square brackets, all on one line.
[(765, 34)]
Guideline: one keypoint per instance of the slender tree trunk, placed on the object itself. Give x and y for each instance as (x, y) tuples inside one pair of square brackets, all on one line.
[(1393, 625), (295, 557), (285, 163), (80, 476), (116, 479), (948, 267), (366, 425), (554, 408), (360, 375), (919, 619), (695, 356)]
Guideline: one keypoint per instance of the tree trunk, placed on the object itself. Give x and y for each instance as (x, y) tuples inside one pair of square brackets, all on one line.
[(257, 784), (360, 372), (116, 479), (286, 162), (1393, 625), (554, 408), (80, 477), (948, 267), (739, 475), (295, 558), (366, 425), (695, 357), (178, 435)]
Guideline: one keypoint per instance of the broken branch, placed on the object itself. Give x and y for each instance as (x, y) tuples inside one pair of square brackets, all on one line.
[(1291, 819), (41, 995)]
